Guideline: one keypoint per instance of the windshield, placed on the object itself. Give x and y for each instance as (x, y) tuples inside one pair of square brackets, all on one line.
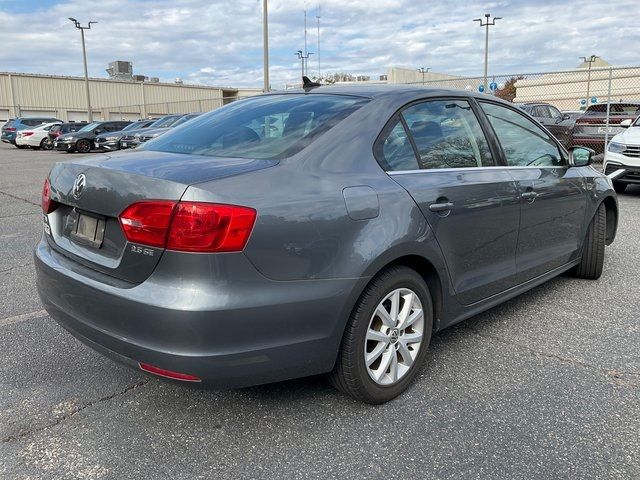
[(186, 118), (164, 122), (88, 127), (268, 126), (133, 126)]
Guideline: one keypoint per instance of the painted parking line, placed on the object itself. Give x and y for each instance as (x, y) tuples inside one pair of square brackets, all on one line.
[(22, 318)]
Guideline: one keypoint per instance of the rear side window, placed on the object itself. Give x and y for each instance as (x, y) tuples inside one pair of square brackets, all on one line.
[(541, 111), (394, 150), (523, 142), (269, 126), (447, 134)]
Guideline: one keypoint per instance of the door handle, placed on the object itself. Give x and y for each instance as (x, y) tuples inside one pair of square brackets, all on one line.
[(441, 207), (530, 195)]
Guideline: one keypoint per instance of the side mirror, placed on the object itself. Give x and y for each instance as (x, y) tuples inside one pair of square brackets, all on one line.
[(98, 131), (581, 156), (626, 123), (566, 116)]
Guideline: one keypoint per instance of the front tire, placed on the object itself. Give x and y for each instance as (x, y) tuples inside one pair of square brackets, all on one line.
[(619, 187), (386, 338), (592, 263), (45, 144), (83, 146)]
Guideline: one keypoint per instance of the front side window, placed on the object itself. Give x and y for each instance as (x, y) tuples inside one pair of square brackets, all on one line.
[(447, 134), (541, 111), (523, 142), (555, 113), (269, 126)]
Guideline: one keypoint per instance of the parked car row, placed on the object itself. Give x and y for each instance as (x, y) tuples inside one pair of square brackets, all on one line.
[(52, 133), (589, 128)]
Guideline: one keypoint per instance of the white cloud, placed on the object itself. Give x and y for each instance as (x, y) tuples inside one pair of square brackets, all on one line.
[(220, 42)]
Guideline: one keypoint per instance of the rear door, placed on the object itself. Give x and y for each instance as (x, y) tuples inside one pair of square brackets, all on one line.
[(552, 194), (469, 199)]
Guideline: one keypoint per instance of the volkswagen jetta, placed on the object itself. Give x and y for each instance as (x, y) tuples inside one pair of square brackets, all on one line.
[(327, 230)]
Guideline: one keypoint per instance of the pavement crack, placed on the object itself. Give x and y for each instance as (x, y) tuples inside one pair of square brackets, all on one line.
[(15, 197), (15, 267), (31, 431), (619, 377)]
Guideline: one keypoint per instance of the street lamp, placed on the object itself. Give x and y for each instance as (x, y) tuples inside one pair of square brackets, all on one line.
[(303, 58), (589, 61), (84, 56), (265, 45), (486, 24), (423, 70)]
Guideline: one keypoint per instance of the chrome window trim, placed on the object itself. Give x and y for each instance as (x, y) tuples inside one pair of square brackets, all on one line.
[(458, 169)]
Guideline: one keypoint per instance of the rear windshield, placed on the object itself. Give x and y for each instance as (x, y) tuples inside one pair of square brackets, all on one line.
[(269, 126), (616, 109), (9, 123)]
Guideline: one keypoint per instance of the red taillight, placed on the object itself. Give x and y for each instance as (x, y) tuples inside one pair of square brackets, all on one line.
[(57, 133), (47, 204), (185, 377), (26, 134), (210, 227), (188, 226), (10, 129), (147, 222)]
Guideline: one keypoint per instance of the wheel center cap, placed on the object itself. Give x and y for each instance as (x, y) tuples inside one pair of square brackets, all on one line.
[(394, 335)]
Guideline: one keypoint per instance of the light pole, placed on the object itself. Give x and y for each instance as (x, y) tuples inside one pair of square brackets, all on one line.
[(589, 61), (423, 70), (303, 58), (84, 56), (265, 45), (486, 24)]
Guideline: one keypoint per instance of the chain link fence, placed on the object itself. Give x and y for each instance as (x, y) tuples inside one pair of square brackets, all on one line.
[(588, 104)]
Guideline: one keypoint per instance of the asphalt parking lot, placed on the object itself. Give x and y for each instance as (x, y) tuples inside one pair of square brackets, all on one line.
[(544, 386)]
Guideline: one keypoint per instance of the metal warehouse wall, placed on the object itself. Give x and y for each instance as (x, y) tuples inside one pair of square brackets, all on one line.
[(64, 97)]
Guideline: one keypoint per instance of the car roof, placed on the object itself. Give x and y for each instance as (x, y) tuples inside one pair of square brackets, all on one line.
[(385, 90)]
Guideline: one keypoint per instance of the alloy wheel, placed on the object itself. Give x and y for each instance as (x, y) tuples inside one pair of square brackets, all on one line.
[(394, 336)]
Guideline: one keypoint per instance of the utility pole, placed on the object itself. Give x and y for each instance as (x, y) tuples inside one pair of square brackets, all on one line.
[(589, 61), (84, 56), (423, 70), (265, 45), (486, 24), (318, 22), (305, 39)]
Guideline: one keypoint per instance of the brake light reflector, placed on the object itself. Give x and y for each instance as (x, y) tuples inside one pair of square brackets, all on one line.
[(185, 377), (47, 204), (147, 222), (210, 227)]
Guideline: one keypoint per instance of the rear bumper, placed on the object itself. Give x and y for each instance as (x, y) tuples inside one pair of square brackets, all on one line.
[(236, 329)]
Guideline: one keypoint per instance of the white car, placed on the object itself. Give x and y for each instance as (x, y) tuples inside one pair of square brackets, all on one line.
[(622, 158), (37, 137)]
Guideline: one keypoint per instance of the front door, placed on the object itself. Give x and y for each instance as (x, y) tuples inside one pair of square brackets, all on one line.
[(470, 202), (552, 194)]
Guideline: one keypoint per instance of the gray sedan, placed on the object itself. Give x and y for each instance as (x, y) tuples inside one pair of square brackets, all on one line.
[(327, 230)]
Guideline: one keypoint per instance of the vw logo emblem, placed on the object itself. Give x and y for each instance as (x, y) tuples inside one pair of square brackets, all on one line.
[(78, 185)]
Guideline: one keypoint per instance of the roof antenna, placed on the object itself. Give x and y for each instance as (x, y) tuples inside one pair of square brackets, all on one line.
[(307, 83)]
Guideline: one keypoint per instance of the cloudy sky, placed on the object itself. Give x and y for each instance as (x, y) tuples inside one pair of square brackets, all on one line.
[(219, 42)]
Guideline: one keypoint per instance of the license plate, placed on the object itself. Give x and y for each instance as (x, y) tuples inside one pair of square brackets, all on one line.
[(89, 230), (123, 144), (55, 144), (604, 129)]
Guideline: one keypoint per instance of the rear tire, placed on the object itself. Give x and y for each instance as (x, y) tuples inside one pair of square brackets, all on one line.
[(351, 374), (83, 146), (590, 267), (619, 187), (45, 144)]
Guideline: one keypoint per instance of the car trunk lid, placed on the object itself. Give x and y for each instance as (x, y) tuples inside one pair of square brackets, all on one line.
[(92, 193)]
